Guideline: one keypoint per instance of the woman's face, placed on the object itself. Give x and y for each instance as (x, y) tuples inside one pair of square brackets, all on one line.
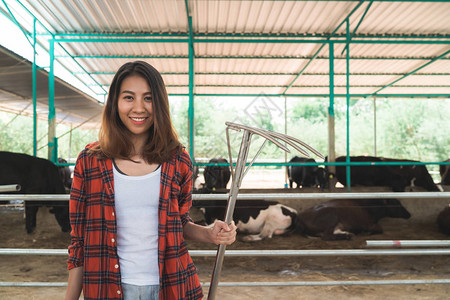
[(135, 105)]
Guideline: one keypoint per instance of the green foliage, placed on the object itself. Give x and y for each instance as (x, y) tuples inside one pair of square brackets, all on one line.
[(405, 128), (16, 135)]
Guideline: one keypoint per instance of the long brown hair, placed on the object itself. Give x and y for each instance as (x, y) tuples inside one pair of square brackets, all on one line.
[(114, 137)]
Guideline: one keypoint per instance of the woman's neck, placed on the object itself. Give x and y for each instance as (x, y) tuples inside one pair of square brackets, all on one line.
[(138, 148)]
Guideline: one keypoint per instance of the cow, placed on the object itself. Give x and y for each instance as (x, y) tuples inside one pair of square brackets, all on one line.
[(339, 219), (65, 174), (398, 177), (306, 176), (444, 170), (259, 219), (415, 175), (443, 220), (216, 177), (36, 176)]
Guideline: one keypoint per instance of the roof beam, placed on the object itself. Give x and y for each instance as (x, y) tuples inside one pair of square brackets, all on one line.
[(52, 35), (251, 35), (321, 47), (410, 73), (248, 57), (326, 96), (297, 86), (357, 26), (14, 20), (274, 73), (247, 40)]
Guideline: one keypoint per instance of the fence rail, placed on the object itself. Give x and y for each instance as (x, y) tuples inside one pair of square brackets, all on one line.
[(279, 196), (265, 284), (254, 253)]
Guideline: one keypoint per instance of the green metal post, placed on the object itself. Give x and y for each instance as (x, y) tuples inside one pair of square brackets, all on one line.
[(51, 106), (34, 91), (285, 132), (331, 117), (191, 84), (374, 126), (348, 106)]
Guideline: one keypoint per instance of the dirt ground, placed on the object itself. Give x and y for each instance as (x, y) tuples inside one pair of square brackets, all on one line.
[(19, 268), (35, 268)]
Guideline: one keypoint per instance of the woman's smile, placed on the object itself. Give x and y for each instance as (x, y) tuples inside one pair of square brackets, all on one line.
[(138, 121)]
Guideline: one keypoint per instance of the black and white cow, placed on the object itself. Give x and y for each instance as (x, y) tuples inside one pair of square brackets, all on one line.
[(338, 219), (443, 220), (216, 177), (306, 176), (35, 176), (398, 177), (444, 170), (259, 219)]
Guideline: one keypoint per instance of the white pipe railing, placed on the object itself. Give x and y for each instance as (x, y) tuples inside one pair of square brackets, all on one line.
[(281, 196), (10, 188), (409, 243), (265, 284), (254, 253)]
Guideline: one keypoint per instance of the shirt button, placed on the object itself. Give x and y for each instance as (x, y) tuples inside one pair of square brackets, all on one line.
[(118, 292), (113, 240), (113, 214), (116, 266)]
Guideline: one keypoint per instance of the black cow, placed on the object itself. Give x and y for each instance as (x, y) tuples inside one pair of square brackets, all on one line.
[(306, 176), (338, 219), (444, 170), (216, 177), (395, 176), (415, 175), (65, 174), (443, 220), (260, 219), (35, 176)]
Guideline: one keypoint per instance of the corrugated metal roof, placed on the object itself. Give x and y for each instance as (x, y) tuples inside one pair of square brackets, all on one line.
[(16, 95), (252, 47)]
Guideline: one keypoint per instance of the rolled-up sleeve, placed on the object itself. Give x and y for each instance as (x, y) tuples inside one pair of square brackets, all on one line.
[(77, 214)]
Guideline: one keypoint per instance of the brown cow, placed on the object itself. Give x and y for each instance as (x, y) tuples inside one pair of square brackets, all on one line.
[(338, 219)]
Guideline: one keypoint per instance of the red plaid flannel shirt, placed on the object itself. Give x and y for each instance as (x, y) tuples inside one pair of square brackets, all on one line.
[(94, 229)]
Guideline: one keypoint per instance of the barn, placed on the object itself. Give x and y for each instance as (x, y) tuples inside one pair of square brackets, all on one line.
[(348, 63)]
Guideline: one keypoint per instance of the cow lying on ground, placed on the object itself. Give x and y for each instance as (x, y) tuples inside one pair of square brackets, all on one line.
[(338, 219), (35, 176), (306, 176), (443, 220), (216, 177), (259, 219), (398, 177), (444, 170)]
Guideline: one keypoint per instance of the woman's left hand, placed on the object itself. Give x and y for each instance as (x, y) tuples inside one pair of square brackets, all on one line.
[(223, 233)]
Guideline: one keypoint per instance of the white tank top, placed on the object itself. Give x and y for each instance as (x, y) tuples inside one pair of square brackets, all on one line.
[(136, 201)]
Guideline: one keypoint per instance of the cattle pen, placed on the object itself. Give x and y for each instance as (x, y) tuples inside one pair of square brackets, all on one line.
[(396, 248)]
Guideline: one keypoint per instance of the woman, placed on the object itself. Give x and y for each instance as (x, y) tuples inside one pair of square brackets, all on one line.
[(130, 200)]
